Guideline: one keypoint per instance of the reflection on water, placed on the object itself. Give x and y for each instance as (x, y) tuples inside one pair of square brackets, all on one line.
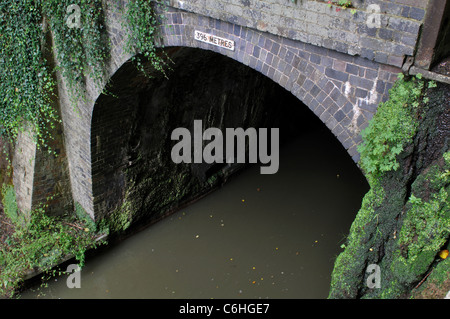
[(260, 236)]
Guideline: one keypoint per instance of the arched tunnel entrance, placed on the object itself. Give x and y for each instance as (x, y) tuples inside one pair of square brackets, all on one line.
[(132, 126), (259, 235)]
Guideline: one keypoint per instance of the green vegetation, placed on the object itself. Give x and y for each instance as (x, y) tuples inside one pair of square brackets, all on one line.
[(437, 284), (142, 22), (9, 203), (342, 4), (80, 51), (27, 85), (426, 225), (357, 245), (392, 127), (26, 63), (28, 92), (38, 243), (120, 219), (404, 220)]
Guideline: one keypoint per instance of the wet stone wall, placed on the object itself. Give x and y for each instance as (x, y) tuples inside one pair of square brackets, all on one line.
[(133, 173)]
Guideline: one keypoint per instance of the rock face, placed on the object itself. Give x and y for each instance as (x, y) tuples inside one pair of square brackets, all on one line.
[(404, 224), (133, 173)]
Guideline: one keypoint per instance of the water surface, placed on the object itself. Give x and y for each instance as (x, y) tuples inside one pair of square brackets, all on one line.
[(260, 236)]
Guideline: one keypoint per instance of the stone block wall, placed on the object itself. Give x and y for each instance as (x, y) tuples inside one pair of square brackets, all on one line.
[(342, 90), (324, 66), (51, 183), (314, 22), (23, 169), (77, 118)]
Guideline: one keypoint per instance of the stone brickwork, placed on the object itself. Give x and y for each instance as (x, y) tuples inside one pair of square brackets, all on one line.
[(314, 22), (39, 177), (342, 90), (23, 173), (77, 119), (51, 182), (331, 75), (109, 137)]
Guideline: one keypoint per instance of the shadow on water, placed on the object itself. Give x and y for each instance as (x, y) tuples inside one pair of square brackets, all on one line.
[(259, 236)]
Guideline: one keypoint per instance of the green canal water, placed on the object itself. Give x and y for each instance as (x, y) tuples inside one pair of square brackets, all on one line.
[(259, 236)]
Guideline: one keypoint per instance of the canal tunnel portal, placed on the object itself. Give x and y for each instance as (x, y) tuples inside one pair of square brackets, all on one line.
[(341, 87)]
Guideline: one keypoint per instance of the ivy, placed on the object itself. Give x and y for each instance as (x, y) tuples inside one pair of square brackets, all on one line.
[(27, 85), (27, 95), (10, 203), (342, 4), (83, 50), (141, 22)]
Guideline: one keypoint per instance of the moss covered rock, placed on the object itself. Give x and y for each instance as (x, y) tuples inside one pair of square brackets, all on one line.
[(404, 221)]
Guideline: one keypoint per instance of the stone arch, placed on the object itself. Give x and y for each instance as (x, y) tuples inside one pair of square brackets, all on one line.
[(131, 129), (342, 90)]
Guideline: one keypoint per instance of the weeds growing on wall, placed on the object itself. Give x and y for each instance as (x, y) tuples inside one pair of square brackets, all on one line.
[(27, 92), (40, 242), (392, 127), (404, 221), (27, 81), (141, 22), (81, 49)]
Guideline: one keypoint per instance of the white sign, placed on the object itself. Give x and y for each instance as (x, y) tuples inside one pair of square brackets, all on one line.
[(212, 39)]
